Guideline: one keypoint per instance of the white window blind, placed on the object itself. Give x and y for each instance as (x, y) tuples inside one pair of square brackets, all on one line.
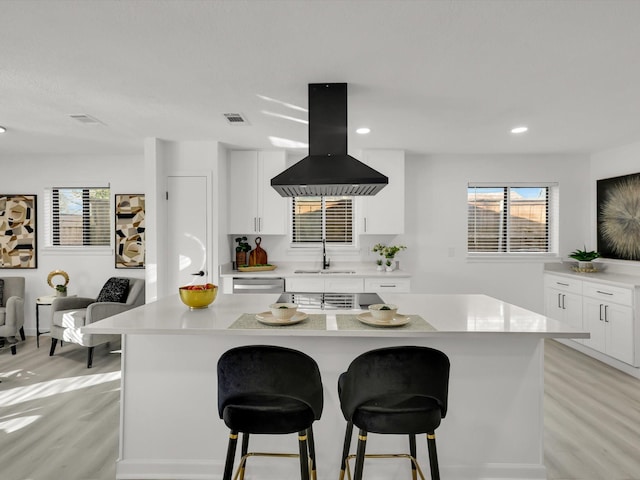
[(78, 217), (510, 219), (315, 218)]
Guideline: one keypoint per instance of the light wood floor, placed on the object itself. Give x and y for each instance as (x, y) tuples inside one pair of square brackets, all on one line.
[(59, 420)]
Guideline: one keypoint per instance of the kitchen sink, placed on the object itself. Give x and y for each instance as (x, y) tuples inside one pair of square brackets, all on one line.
[(325, 272)]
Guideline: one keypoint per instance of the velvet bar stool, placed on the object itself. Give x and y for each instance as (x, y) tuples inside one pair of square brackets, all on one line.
[(396, 390), (264, 389)]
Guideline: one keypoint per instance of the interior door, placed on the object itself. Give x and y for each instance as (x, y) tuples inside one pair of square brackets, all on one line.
[(188, 232)]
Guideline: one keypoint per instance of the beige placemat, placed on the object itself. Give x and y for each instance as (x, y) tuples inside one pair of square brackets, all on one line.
[(316, 321), (351, 322)]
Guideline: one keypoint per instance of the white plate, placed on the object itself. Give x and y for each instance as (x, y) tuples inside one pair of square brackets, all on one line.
[(396, 321), (268, 319)]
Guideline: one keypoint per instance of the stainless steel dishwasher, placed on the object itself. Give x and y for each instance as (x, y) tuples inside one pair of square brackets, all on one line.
[(258, 285)]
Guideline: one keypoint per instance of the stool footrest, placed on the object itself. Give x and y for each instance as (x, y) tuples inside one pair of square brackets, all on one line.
[(383, 455)]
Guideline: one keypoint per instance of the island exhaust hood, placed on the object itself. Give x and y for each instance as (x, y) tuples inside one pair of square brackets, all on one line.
[(328, 170)]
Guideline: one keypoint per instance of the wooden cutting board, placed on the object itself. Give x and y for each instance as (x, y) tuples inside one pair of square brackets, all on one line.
[(258, 256)]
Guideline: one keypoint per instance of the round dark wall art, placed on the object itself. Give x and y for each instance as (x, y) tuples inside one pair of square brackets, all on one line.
[(619, 217)]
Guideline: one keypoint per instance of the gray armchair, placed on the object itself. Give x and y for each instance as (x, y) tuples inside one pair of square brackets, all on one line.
[(12, 310), (70, 314)]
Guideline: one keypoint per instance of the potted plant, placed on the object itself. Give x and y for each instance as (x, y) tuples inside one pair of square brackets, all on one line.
[(380, 266), (584, 258), (241, 251), (61, 290), (388, 252)]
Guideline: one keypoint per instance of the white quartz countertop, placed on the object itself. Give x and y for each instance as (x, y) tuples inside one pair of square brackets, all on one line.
[(447, 314), (605, 274), (288, 269)]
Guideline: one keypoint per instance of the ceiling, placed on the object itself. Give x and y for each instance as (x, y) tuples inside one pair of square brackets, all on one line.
[(426, 76)]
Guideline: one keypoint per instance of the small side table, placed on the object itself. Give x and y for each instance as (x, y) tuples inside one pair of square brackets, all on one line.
[(43, 300)]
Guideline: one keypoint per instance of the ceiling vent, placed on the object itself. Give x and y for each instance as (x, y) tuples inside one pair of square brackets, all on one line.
[(86, 119), (236, 119)]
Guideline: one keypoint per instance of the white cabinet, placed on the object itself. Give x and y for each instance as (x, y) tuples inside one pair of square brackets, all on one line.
[(606, 311), (563, 300), (322, 285), (608, 316), (383, 214), (255, 207), (391, 285)]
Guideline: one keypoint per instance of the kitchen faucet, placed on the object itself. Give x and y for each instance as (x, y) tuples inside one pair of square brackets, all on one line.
[(325, 261)]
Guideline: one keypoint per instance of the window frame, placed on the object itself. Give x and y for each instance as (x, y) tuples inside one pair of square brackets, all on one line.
[(49, 221), (552, 225), (299, 246)]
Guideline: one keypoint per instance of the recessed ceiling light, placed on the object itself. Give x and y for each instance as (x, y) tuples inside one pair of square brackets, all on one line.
[(363, 130), (2, 129), (521, 129)]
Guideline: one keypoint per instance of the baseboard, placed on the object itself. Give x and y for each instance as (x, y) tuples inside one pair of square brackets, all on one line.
[(211, 470)]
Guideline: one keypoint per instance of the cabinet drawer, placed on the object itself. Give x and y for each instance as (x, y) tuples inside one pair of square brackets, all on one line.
[(343, 285), (564, 284), (398, 285), (304, 285), (608, 293)]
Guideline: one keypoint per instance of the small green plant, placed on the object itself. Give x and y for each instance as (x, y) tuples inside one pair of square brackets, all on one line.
[(388, 252), (584, 255), (242, 246), (61, 288), (379, 261)]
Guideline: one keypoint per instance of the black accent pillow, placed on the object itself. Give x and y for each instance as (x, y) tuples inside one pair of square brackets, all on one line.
[(1, 292), (114, 290)]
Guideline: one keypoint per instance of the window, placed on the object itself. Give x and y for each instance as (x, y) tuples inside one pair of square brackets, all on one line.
[(315, 218), (512, 219), (78, 217)]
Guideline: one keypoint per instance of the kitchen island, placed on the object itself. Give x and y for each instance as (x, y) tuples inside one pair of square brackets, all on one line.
[(169, 424)]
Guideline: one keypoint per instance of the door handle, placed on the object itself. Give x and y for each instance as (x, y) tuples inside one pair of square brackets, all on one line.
[(199, 274)]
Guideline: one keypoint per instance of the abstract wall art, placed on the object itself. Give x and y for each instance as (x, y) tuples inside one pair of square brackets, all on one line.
[(619, 217), (18, 231), (130, 231)]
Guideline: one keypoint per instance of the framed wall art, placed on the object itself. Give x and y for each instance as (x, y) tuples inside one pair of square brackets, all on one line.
[(130, 231), (18, 232), (619, 217)]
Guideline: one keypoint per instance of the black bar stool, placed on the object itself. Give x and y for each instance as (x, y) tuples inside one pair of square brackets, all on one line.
[(270, 390), (397, 390)]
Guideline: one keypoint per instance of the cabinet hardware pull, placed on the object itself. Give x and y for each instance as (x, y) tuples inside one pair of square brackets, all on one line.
[(383, 285), (563, 284), (605, 314), (559, 304), (259, 224), (604, 293), (600, 312), (365, 224), (563, 307)]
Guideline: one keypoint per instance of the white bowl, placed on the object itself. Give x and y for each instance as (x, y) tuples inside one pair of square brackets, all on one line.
[(283, 311), (383, 311)]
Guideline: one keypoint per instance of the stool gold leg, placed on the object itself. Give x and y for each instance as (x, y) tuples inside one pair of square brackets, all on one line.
[(412, 451), (433, 456), (345, 449), (362, 445), (304, 458), (231, 453)]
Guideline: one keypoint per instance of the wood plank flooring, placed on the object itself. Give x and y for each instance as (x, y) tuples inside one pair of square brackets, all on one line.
[(59, 420)]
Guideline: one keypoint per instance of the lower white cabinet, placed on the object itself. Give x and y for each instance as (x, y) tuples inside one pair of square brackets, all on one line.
[(395, 285), (610, 325), (563, 300), (607, 312), (321, 285)]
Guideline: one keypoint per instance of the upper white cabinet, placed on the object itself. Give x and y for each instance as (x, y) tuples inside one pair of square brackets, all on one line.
[(383, 214), (255, 207)]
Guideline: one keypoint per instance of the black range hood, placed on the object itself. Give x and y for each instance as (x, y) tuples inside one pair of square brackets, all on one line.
[(328, 170)]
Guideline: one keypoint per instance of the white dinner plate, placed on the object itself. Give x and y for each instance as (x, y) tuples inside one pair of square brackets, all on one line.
[(396, 321), (268, 319)]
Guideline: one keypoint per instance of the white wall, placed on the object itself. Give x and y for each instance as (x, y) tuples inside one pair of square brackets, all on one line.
[(436, 222), (623, 160), (87, 273)]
